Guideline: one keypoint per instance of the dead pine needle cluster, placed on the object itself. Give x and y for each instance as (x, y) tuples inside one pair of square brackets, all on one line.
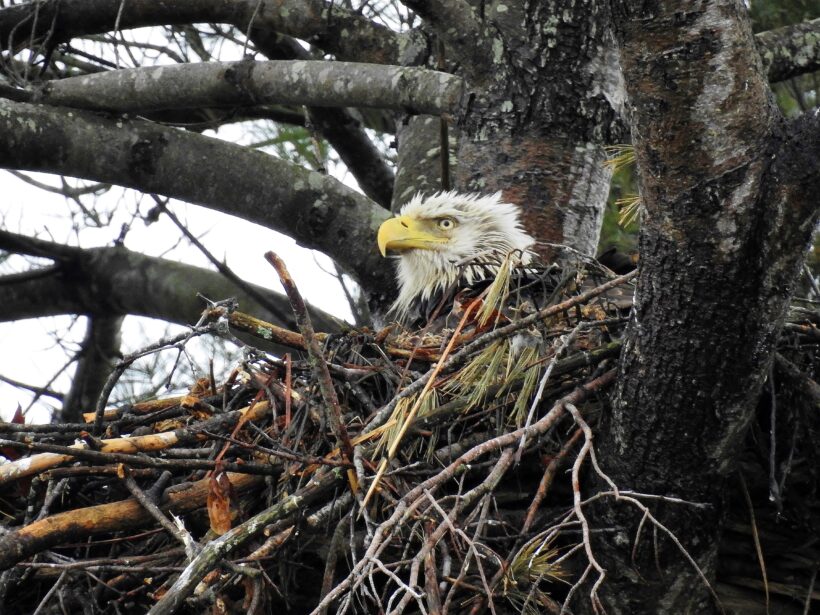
[(394, 471)]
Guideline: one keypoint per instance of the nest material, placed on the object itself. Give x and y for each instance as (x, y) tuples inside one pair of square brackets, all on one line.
[(398, 471)]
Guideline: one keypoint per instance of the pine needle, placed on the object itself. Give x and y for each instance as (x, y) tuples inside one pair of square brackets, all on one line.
[(533, 563), (629, 207), (527, 367), (498, 292), (623, 156), (486, 369)]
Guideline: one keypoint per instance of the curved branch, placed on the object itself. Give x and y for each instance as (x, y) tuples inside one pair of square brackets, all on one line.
[(287, 82), (337, 30), (791, 50), (109, 282), (316, 210)]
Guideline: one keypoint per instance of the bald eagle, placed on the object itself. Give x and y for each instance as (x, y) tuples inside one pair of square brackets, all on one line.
[(449, 241)]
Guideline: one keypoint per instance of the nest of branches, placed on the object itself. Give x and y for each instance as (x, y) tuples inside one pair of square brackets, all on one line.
[(369, 472)]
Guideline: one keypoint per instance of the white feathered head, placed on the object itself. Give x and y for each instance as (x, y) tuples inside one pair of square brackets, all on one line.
[(438, 236)]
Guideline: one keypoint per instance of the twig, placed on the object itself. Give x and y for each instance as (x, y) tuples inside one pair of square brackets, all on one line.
[(565, 342), (408, 419), (50, 592), (597, 606), (152, 508), (142, 460), (755, 537), (317, 362), (807, 604), (411, 500), (226, 271), (547, 478), (218, 549), (119, 370)]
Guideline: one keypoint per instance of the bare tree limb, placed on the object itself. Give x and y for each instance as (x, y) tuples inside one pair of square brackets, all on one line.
[(316, 210), (116, 281), (324, 24), (342, 130), (247, 83), (791, 50)]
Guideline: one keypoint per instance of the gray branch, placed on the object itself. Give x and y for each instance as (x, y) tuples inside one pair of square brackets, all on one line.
[(105, 282), (335, 29), (316, 210), (791, 50), (287, 82)]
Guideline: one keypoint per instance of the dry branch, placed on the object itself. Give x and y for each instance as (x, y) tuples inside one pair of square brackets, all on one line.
[(458, 523), (248, 83)]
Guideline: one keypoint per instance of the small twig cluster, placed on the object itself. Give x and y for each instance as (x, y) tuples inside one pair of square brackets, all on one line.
[(376, 475)]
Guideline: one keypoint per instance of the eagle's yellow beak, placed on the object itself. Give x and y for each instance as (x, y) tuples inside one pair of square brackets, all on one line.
[(406, 233)]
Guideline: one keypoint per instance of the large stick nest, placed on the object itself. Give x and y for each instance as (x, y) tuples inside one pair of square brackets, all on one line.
[(389, 471)]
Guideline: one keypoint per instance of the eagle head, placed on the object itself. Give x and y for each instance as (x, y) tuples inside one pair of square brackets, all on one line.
[(438, 237)]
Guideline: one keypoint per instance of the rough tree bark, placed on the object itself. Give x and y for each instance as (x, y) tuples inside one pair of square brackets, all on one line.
[(729, 189), (544, 98)]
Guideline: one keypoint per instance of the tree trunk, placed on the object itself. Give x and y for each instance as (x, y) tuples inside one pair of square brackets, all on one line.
[(540, 117), (726, 219)]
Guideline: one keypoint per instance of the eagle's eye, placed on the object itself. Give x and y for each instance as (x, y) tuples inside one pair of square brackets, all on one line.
[(446, 224)]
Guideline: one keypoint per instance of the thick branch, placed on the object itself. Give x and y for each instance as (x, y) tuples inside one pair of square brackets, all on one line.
[(727, 217), (324, 24), (791, 50), (103, 518), (246, 83), (466, 38), (116, 281), (316, 210)]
